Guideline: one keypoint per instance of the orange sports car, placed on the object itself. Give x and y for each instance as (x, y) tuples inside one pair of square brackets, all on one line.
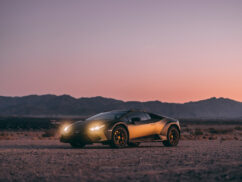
[(122, 128)]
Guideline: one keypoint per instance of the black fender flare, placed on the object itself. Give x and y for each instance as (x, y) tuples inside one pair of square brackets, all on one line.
[(168, 125), (110, 130)]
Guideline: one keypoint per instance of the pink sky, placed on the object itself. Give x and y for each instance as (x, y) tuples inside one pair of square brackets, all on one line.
[(131, 50)]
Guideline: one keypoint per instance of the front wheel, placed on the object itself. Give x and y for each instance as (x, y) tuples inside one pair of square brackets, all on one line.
[(119, 137), (173, 136)]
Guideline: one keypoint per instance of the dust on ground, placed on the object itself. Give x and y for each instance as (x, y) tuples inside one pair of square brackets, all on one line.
[(50, 160)]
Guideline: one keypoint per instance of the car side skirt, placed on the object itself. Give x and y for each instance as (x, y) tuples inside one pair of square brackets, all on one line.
[(156, 131)]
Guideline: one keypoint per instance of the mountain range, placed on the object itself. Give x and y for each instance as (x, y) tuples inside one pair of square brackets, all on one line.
[(65, 105)]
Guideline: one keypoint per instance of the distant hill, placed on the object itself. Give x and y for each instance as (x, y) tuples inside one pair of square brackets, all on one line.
[(65, 105)]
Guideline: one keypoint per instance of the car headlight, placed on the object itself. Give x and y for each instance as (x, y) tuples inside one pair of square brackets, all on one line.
[(96, 128), (66, 129)]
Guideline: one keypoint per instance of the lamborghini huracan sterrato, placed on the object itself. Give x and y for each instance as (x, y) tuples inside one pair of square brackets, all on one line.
[(122, 128)]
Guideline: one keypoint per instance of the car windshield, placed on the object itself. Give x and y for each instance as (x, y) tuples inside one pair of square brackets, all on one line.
[(107, 115)]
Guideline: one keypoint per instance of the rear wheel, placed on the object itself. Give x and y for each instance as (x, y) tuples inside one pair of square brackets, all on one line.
[(77, 145), (119, 137), (173, 136)]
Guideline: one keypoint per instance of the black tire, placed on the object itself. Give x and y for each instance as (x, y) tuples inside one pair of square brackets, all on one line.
[(136, 144), (119, 137), (77, 145), (173, 136)]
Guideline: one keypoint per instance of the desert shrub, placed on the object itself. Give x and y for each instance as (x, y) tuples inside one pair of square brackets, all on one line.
[(198, 131), (49, 133), (191, 121), (236, 138), (212, 138), (186, 130), (219, 131), (225, 131), (31, 123), (183, 125), (238, 128), (212, 130), (25, 123)]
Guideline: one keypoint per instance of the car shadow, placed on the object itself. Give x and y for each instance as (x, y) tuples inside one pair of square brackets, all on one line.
[(68, 147), (34, 147)]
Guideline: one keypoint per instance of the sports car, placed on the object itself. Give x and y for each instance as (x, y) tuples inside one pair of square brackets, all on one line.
[(122, 128)]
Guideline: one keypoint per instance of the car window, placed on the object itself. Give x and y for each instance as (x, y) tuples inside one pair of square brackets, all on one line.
[(142, 116), (147, 116), (154, 116), (107, 115)]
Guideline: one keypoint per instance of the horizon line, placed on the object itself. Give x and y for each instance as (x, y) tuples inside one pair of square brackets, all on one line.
[(213, 97)]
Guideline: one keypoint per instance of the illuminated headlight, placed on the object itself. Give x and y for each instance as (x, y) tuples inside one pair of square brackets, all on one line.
[(66, 129), (96, 128)]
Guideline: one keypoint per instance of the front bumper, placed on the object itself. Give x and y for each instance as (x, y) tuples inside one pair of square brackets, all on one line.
[(84, 137), (74, 138)]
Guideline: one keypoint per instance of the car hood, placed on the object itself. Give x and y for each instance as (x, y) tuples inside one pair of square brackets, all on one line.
[(80, 125)]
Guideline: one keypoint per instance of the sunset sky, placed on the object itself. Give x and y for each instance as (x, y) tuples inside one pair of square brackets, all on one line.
[(172, 51)]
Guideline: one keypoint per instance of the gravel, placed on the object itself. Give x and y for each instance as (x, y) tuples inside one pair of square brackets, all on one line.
[(50, 160)]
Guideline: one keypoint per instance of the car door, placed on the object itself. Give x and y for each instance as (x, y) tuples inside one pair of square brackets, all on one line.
[(140, 125)]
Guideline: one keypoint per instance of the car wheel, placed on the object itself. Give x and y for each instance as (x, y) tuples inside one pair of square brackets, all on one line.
[(135, 144), (77, 145), (119, 137), (173, 136)]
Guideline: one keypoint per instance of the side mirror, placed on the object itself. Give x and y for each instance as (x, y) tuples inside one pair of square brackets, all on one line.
[(133, 120)]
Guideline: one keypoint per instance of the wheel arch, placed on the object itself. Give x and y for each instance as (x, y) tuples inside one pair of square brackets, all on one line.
[(175, 125), (170, 124), (110, 131)]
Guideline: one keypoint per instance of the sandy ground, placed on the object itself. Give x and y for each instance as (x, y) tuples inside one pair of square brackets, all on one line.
[(50, 160)]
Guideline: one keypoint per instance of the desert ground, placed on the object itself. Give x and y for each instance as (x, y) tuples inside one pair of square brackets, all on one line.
[(205, 153)]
